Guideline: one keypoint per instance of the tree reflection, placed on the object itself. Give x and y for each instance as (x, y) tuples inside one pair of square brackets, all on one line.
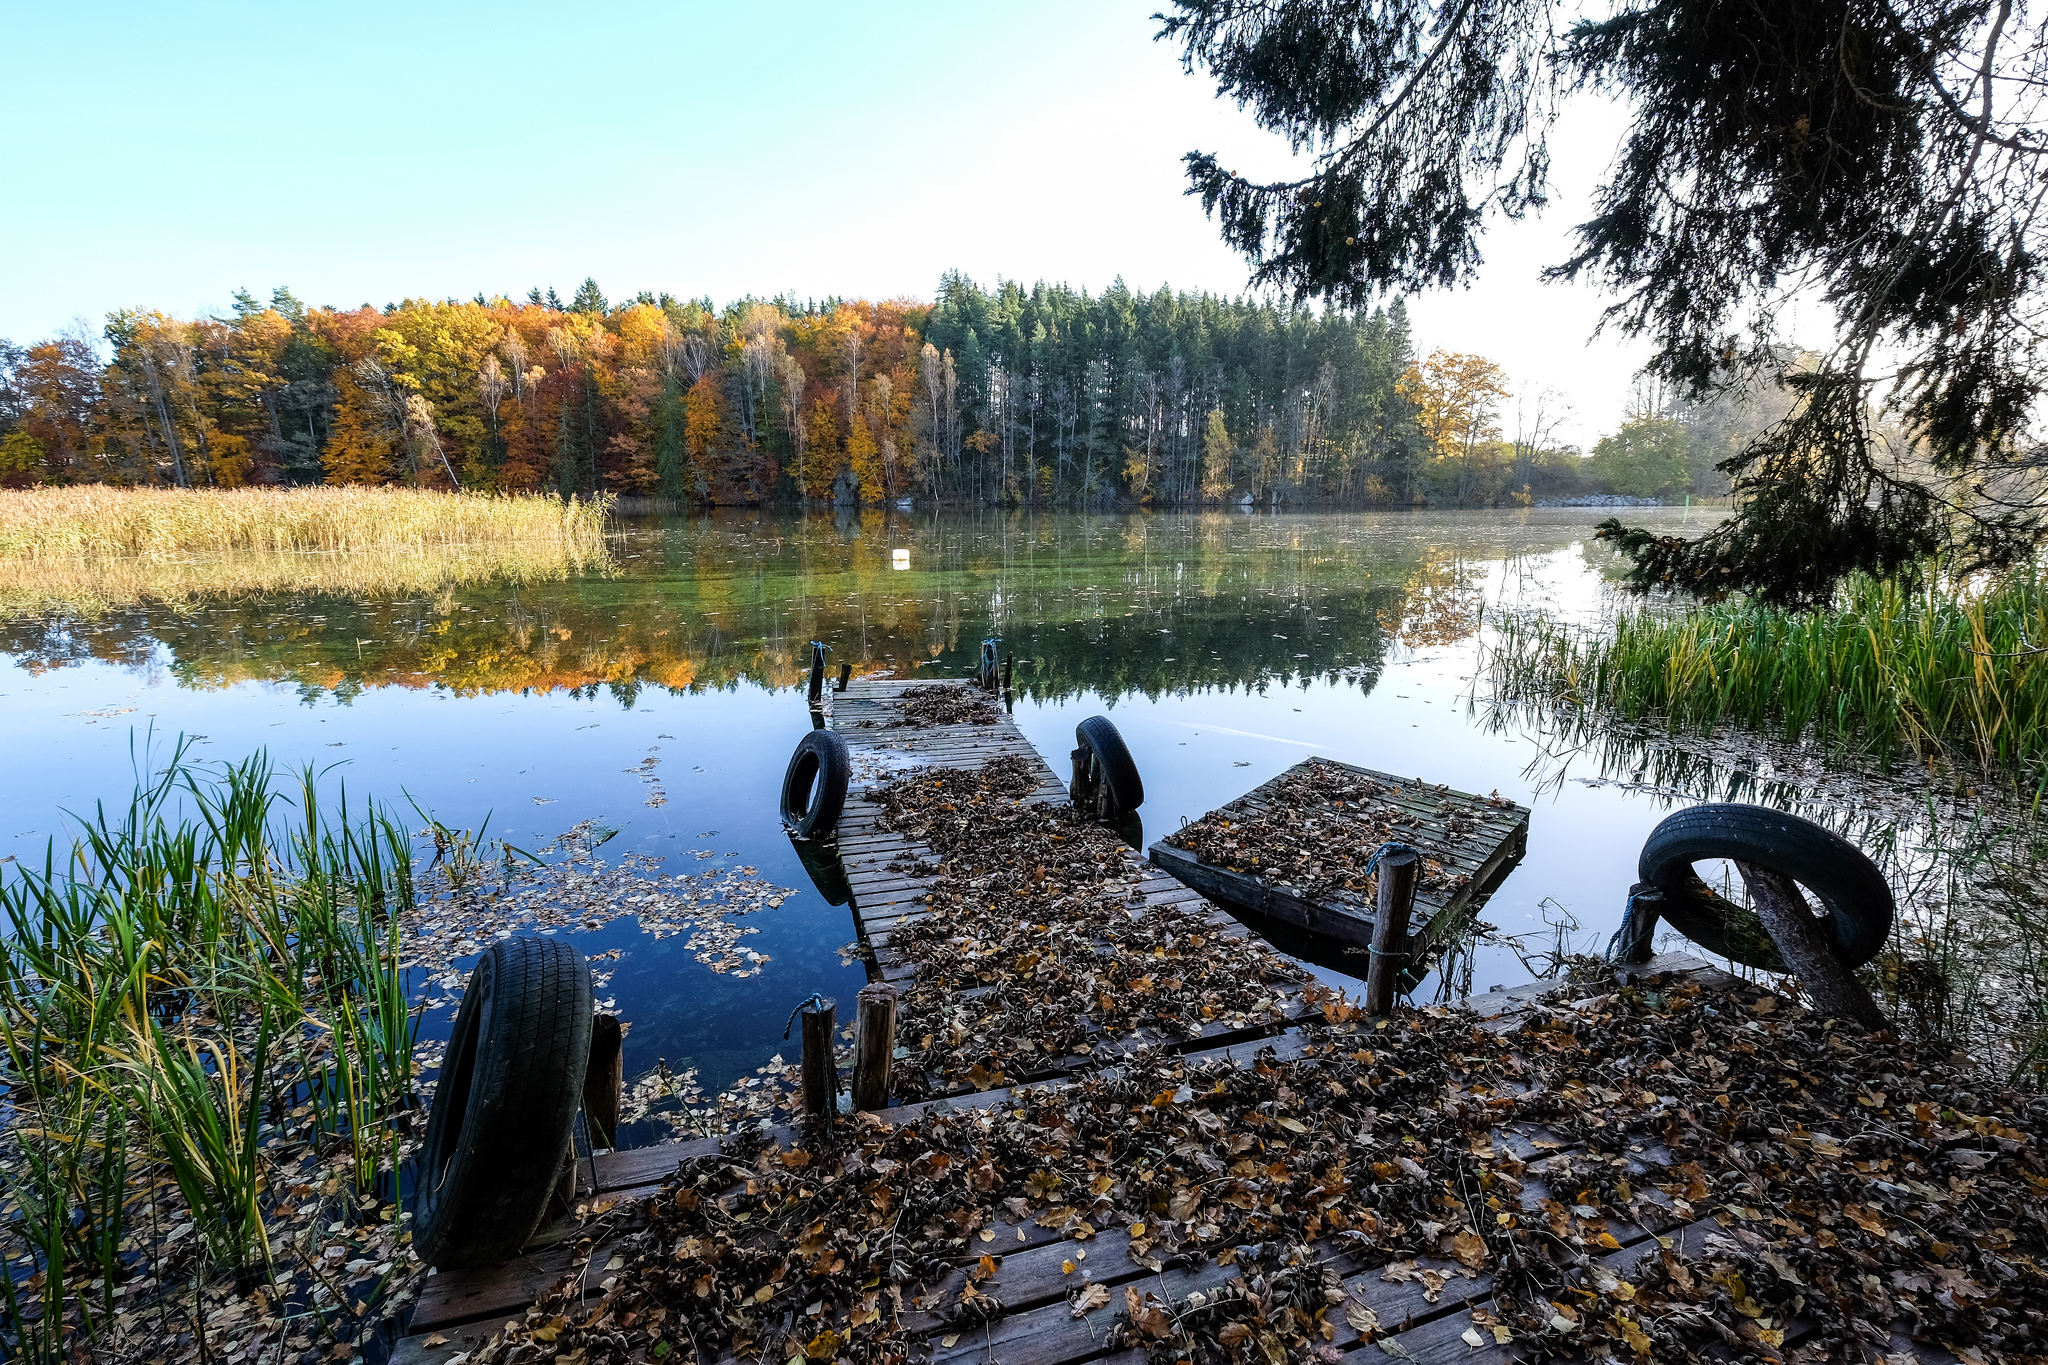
[(1106, 604)]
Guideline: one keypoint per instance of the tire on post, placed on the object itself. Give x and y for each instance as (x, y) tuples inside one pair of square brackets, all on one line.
[(1854, 897), (506, 1103), (814, 785), (1112, 761)]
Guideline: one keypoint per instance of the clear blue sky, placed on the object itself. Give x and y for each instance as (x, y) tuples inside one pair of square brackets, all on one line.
[(166, 155)]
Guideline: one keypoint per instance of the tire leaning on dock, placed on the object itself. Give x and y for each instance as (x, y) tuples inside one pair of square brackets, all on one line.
[(505, 1104), (1113, 762), (1849, 887), (814, 785)]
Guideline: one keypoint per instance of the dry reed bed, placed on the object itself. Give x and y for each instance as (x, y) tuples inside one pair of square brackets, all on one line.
[(97, 521), (89, 586)]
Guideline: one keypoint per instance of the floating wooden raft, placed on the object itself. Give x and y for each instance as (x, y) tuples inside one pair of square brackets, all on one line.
[(1422, 814)]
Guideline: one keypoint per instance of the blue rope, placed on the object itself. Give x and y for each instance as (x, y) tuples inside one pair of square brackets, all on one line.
[(817, 998), (1391, 846), (1626, 930)]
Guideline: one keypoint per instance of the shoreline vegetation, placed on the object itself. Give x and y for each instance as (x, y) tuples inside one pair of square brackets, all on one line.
[(99, 521), (1948, 672), (1911, 718), (208, 1049), (92, 548), (217, 1051)]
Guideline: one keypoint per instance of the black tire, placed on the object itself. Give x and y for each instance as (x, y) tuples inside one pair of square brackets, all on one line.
[(1852, 892), (505, 1104), (814, 785), (1112, 761)]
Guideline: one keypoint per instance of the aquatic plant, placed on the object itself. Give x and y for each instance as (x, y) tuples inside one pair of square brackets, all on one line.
[(195, 970), (1938, 668)]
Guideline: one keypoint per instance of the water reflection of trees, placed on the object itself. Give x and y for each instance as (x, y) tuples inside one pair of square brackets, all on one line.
[(1112, 604)]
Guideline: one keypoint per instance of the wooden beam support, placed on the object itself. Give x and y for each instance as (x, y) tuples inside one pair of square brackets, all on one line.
[(1830, 982), (1399, 869), (874, 1045), (603, 1080), (820, 1066)]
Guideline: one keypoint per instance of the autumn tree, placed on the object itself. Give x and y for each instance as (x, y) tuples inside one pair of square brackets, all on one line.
[(1456, 398), (1217, 452)]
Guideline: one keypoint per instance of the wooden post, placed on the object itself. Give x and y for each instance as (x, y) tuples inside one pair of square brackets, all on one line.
[(874, 1044), (602, 1080), (1399, 870), (820, 1068), (845, 673), (1640, 926), (1081, 791), (817, 688), (1009, 667), (1831, 982)]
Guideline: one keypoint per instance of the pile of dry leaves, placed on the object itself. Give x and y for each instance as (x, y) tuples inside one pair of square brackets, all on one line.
[(1646, 1174), (928, 704), (1315, 828), (1036, 952)]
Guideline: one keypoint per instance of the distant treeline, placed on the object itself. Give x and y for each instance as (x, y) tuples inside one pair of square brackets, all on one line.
[(1046, 395)]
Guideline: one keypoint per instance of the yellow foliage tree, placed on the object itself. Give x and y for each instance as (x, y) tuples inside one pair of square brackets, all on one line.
[(360, 448), (1457, 407), (863, 456), (704, 422), (1217, 450)]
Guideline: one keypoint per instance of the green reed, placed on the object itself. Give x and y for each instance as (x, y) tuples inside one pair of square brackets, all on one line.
[(201, 958), (1937, 668)]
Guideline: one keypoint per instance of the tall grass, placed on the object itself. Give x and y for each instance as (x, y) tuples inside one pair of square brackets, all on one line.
[(1938, 669), (92, 585), (198, 960), (101, 521)]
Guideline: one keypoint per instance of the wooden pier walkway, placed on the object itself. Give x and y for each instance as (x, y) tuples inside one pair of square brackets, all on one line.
[(865, 716), (1430, 1312)]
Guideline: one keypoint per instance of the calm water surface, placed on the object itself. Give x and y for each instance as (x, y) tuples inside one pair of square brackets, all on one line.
[(1226, 647)]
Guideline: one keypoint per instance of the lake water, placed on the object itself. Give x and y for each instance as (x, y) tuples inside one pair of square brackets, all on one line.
[(1226, 647)]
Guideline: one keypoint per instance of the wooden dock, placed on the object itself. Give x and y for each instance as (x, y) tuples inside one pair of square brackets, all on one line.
[(883, 899), (1432, 1314), (1485, 844)]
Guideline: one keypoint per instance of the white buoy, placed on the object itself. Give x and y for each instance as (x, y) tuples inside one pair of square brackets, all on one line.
[(899, 559)]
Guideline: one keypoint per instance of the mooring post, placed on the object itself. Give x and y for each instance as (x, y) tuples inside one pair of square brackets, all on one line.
[(1009, 667), (603, 1079), (820, 1068), (1632, 942), (845, 675), (817, 689), (874, 1044), (1399, 869)]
